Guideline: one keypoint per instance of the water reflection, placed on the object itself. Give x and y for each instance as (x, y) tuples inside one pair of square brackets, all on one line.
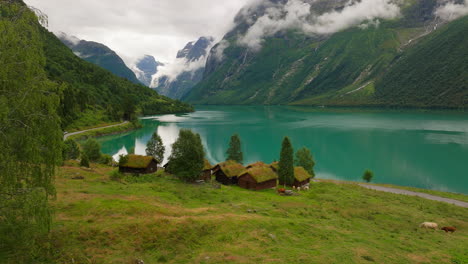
[(427, 150)]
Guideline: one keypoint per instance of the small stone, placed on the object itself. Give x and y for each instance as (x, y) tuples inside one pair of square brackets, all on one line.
[(272, 236)]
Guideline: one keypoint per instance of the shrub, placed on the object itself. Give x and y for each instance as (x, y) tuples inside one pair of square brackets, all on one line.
[(106, 159), (115, 175), (304, 159), (92, 149), (70, 150), (368, 175), (84, 160)]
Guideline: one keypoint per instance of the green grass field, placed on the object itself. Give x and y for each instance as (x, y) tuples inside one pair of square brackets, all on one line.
[(159, 219)]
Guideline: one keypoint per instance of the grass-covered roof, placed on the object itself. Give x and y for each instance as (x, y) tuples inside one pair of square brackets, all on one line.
[(231, 168), (256, 164), (261, 173), (301, 174), (137, 162), (275, 165), (207, 165)]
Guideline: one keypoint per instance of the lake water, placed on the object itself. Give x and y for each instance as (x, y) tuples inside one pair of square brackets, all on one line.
[(410, 148)]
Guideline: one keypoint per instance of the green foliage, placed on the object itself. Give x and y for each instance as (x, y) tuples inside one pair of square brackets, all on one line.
[(234, 152), (123, 160), (92, 149), (368, 176), (70, 150), (84, 162), (187, 158), (286, 163), (304, 159), (155, 148), (106, 159), (30, 136)]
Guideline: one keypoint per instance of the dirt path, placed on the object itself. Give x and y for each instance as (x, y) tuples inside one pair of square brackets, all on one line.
[(83, 131), (404, 192), (411, 193)]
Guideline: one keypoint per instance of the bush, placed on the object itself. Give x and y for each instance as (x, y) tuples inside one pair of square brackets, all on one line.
[(70, 150), (92, 149), (84, 160), (106, 159), (368, 175)]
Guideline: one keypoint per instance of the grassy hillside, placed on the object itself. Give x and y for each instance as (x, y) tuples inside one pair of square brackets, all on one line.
[(433, 72), (161, 220), (398, 63)]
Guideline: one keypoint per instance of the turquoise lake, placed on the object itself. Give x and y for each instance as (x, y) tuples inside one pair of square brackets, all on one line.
[(425, 149)]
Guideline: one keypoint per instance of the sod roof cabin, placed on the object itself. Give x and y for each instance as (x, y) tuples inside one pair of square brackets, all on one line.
[(256, 164), (227, 172), (301, 176), (139, 164), (206, 173), (258, 177)]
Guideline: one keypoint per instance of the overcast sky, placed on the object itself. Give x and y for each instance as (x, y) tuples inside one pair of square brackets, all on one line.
[(138, 27)]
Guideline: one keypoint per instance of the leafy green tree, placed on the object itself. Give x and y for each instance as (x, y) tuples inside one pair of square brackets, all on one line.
[(155, 148), (304, 159), (92, 149), (286, 163), (30, 135), (368, 176), (187, 158), (84, 162), (70, 150), (234, 151)]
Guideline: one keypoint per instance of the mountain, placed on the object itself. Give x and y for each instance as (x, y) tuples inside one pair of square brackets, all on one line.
[(145, 68), (187, 70), (100, 55), (85, 94), (339, 53)]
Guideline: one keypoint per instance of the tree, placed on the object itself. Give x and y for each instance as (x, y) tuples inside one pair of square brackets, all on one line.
[(368, 175), (286, 163), (70, 150), (234, 151), (30, 135), (304, 159), (155, 148), (92, 149), (84, 162), (187, 158)]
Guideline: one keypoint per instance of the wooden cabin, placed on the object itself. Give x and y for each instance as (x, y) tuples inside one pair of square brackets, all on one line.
[(227, 172), (258, 178), (207, 171), (139, 164), (301, 177), (256, 164)]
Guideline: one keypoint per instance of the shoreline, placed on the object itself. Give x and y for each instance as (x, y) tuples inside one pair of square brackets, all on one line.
[(103, 131)]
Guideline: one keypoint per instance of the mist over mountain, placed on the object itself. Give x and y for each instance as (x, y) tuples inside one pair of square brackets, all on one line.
[(339, 52), (178, 78), (145, 68), (98, 54)]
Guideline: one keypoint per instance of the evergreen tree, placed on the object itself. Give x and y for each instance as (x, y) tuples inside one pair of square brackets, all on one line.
[(155, 148), (286, 163), (92, 149), (234, 151), (187, 158), (304, 159), (30, 135), (70, 150), (368, 176)]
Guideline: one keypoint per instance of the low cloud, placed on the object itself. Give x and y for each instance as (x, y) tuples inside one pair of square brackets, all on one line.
[(296, 14), (452, 11), (218, 51), (179, 66)]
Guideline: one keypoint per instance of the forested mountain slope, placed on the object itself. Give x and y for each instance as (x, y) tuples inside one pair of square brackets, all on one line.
[(100, 55), (348, 66)]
